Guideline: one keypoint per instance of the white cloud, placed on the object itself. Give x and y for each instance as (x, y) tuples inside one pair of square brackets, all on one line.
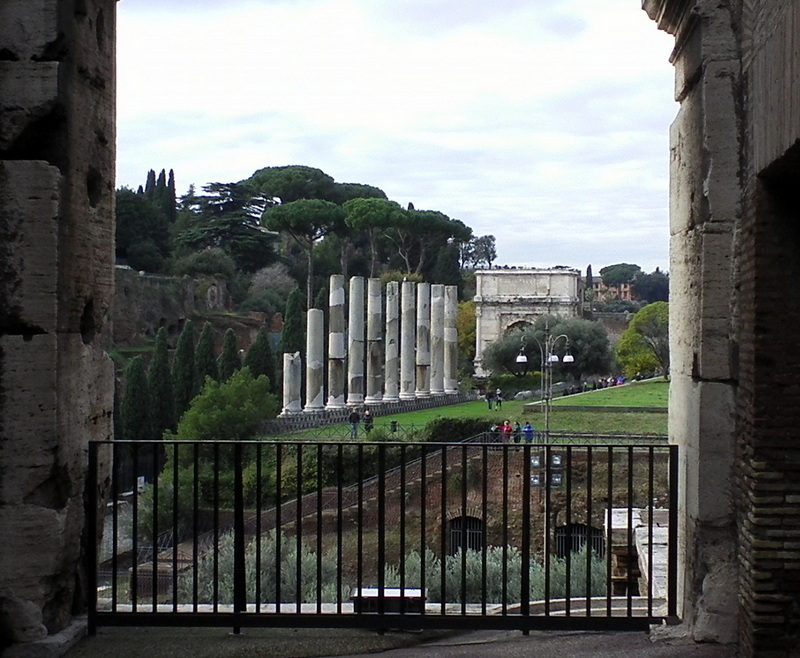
[(541, 122)]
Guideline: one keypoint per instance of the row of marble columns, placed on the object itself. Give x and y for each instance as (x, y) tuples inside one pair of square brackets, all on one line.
[(404, 351)]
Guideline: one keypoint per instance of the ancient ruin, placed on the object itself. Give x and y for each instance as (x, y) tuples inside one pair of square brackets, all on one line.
[(734, 232)]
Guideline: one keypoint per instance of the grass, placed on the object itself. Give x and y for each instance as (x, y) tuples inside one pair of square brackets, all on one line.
[(651, 393)]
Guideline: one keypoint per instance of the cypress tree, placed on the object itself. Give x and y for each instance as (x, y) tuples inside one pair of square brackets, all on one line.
[(150, 185), (135, 407), (259, 358), (159, 387), (293, 337), (229, 361), (172, 198), (183, 385), (205, 360)]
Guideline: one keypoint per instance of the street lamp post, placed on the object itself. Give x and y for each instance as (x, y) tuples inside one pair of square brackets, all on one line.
[(548, 358)]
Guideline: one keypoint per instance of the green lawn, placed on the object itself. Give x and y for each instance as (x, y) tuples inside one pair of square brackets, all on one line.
[(651, 393)]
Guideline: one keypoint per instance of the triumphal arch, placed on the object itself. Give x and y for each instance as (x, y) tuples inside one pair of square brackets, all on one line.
[(509, 297), (735, 240)]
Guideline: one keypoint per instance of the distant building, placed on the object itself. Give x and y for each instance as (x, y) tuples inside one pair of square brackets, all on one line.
[(606, 293), (510, 298)]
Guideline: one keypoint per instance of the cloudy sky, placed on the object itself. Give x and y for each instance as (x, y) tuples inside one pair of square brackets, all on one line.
[(541, 122)]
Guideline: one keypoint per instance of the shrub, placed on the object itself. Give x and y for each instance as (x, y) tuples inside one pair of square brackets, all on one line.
[(209, 262)]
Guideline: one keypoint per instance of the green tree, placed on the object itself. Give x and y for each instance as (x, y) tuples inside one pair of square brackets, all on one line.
[(229, 360), (293, 336), (141, 233), (205, 358), (291, 183), (653, 287), (465, 325), (135, 406), (183, 380), (233, 409), (159, 386), (479, 250), (447, 269), (371, 217), (616, 275), (586, 341), (259, 358), (306, 221), (644, 345), (228, 216)]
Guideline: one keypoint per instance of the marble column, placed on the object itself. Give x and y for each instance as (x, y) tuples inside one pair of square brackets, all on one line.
[(450, 339), (292, 379), (374, 343), (392, 352), (423, 355), (437, 339), (355, 343), (337, 348), (408, 324), (315, 360)]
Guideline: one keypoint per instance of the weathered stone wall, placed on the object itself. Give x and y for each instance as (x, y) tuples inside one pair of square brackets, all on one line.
[(57, 139), (769, 396)]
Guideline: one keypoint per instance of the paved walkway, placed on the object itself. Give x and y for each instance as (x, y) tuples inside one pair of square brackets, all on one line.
[(309, 643)]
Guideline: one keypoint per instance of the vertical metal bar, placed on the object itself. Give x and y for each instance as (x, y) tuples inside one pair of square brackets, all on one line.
[(278, 525), (443, 537), (259, 513), (548, 474), (115, 479), (195, 524), (609, 529), (319, 528), (239, 577), (484, 517), (382, 528), (135, 530), (91, 548), (525, 593), (630, 531), (339, 524), (672, 537), (590, 546), (175, 533), (567, 472), (504, 586), (402, 565), (650, 471), (216, 526), (154, 558), (464, 540), (360, 514), (299, 533), (423, 499)]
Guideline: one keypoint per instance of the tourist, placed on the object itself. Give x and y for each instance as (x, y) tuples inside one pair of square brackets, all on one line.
[(517, 432), (354, 419), (506, 430), (369, 421), (528, 432)]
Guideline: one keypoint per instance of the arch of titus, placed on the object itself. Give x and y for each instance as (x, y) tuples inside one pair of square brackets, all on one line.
[(504, 298), (735, 241)]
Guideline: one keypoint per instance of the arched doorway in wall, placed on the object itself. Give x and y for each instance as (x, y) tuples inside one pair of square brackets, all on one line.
[(466, 533), (572, 538)]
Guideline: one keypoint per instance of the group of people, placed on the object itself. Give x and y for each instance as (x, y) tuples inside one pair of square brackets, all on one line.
[(495, 399), (355, 419), (516, 433)]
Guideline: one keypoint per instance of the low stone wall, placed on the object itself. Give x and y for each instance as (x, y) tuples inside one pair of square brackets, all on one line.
[(303, 421)]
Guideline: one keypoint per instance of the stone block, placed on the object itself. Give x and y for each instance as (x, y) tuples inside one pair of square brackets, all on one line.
[(29, 410), (29, 228), (28, 92), (30, 29)]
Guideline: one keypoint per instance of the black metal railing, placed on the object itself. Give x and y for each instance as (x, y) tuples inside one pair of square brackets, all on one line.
[(400, 535)]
